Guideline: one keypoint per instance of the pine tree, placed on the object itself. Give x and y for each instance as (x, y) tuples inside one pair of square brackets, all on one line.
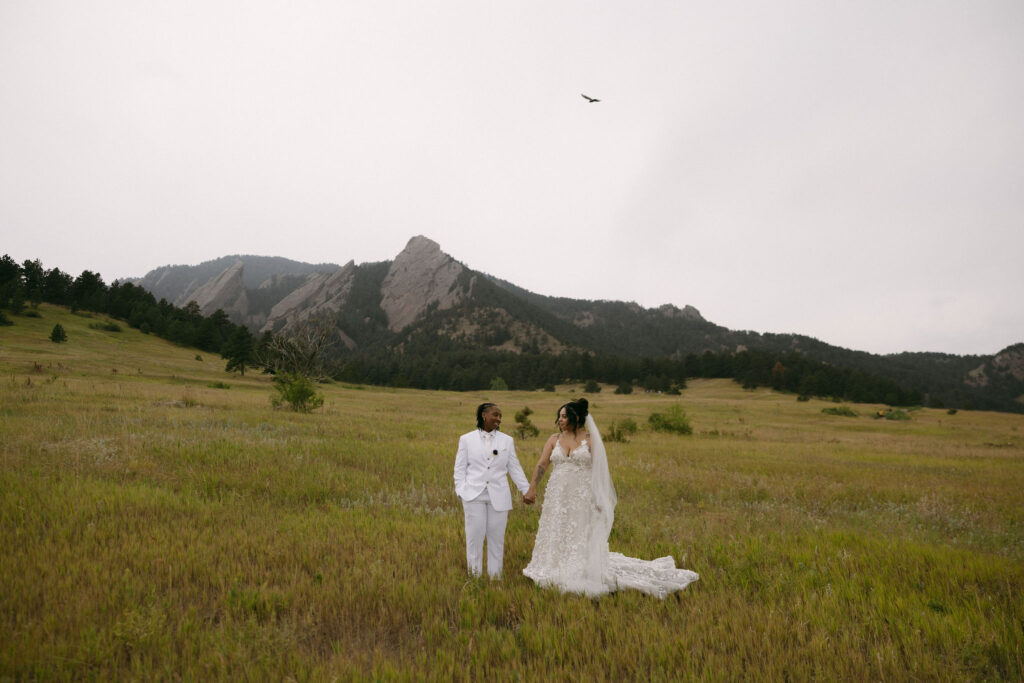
[(58, 334), (239, 350)]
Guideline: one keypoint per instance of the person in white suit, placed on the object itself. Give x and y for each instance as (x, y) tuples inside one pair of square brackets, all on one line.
[(483, 463)]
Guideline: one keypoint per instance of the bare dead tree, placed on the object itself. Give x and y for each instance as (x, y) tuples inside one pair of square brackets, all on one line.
[(302, 351)]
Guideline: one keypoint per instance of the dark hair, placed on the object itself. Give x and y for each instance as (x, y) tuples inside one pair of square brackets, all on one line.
[(480, 413), (575, 412)]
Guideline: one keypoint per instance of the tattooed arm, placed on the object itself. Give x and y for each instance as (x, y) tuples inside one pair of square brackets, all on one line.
[(538, 472)]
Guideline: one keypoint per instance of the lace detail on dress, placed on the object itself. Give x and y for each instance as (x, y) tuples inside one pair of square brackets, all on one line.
[(560, 552)]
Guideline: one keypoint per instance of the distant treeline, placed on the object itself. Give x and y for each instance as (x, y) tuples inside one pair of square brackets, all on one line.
[(471, 369), (433, 361)]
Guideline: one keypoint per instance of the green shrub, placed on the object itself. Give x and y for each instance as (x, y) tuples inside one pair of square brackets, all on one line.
[(32, 313), (592, 387), (628, 425), (891, 414), (4, 320), (58, 334), (549, 387), (624, 388), (613, 433), (297, 392), (618, 431), (499, 384), (106, 327), (845, 411), (672, 420), (803, 397), (218, 385)]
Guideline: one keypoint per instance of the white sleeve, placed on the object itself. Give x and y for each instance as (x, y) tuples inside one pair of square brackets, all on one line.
[(515, 470), (461, 465)]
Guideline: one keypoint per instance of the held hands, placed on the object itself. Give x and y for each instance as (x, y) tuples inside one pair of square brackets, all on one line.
[(530, 497)]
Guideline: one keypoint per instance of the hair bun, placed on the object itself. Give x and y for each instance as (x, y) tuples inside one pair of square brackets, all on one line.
[(582, 408)]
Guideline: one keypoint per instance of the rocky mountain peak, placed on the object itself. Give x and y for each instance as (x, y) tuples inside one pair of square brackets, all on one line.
[(320, 294), (420, 276), (686, 312), (226, 291), (1011, 360)]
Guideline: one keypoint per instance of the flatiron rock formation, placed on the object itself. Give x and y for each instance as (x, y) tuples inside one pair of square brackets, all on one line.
[(320, 294), (226, 292), (420, 276)]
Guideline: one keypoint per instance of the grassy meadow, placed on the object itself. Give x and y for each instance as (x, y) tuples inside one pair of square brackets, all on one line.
[(160, 520)]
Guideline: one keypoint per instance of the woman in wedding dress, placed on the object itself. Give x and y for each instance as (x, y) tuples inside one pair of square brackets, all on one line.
[(571, 552)]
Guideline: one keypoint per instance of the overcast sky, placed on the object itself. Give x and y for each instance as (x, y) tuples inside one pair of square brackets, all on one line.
[(853, 171)]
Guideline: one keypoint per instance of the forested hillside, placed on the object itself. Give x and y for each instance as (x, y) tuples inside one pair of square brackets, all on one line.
[(490, 333)]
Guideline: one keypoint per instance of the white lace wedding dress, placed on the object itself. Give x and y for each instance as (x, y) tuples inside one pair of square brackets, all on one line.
[(571, 552)]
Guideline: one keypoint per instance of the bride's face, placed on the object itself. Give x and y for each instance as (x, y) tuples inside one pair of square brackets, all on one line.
[(563, 420)]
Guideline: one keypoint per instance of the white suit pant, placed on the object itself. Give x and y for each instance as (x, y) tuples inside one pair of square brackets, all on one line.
[(483, 521)]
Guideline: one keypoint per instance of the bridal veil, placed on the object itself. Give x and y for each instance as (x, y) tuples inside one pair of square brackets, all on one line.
[(607, 571)]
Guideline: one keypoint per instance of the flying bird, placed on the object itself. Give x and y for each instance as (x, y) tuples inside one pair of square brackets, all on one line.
[(589, 99)]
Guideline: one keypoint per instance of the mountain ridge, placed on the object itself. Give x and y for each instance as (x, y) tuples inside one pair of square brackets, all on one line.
[(424, 295)]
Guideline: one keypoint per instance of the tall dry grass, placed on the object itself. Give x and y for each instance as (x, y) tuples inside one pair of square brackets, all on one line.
[(156, 525)]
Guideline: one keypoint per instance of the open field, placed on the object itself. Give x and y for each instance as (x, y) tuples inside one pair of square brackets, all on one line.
[(157, 525)]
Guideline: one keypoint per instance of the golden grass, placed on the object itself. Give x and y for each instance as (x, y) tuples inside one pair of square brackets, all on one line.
[(156, 526)]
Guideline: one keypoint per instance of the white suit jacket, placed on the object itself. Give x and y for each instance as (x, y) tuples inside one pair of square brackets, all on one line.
[(478, 468)]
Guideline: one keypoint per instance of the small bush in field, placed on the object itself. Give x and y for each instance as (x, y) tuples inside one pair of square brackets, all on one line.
[(624, 388), (613, 434), (296, 392), (844, 411), (672, 420), (105, 327), (32, 313), (58, 334), (618, 431), (4, 320)]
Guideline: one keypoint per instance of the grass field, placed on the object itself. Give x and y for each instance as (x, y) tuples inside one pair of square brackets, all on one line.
[(158, 525)]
